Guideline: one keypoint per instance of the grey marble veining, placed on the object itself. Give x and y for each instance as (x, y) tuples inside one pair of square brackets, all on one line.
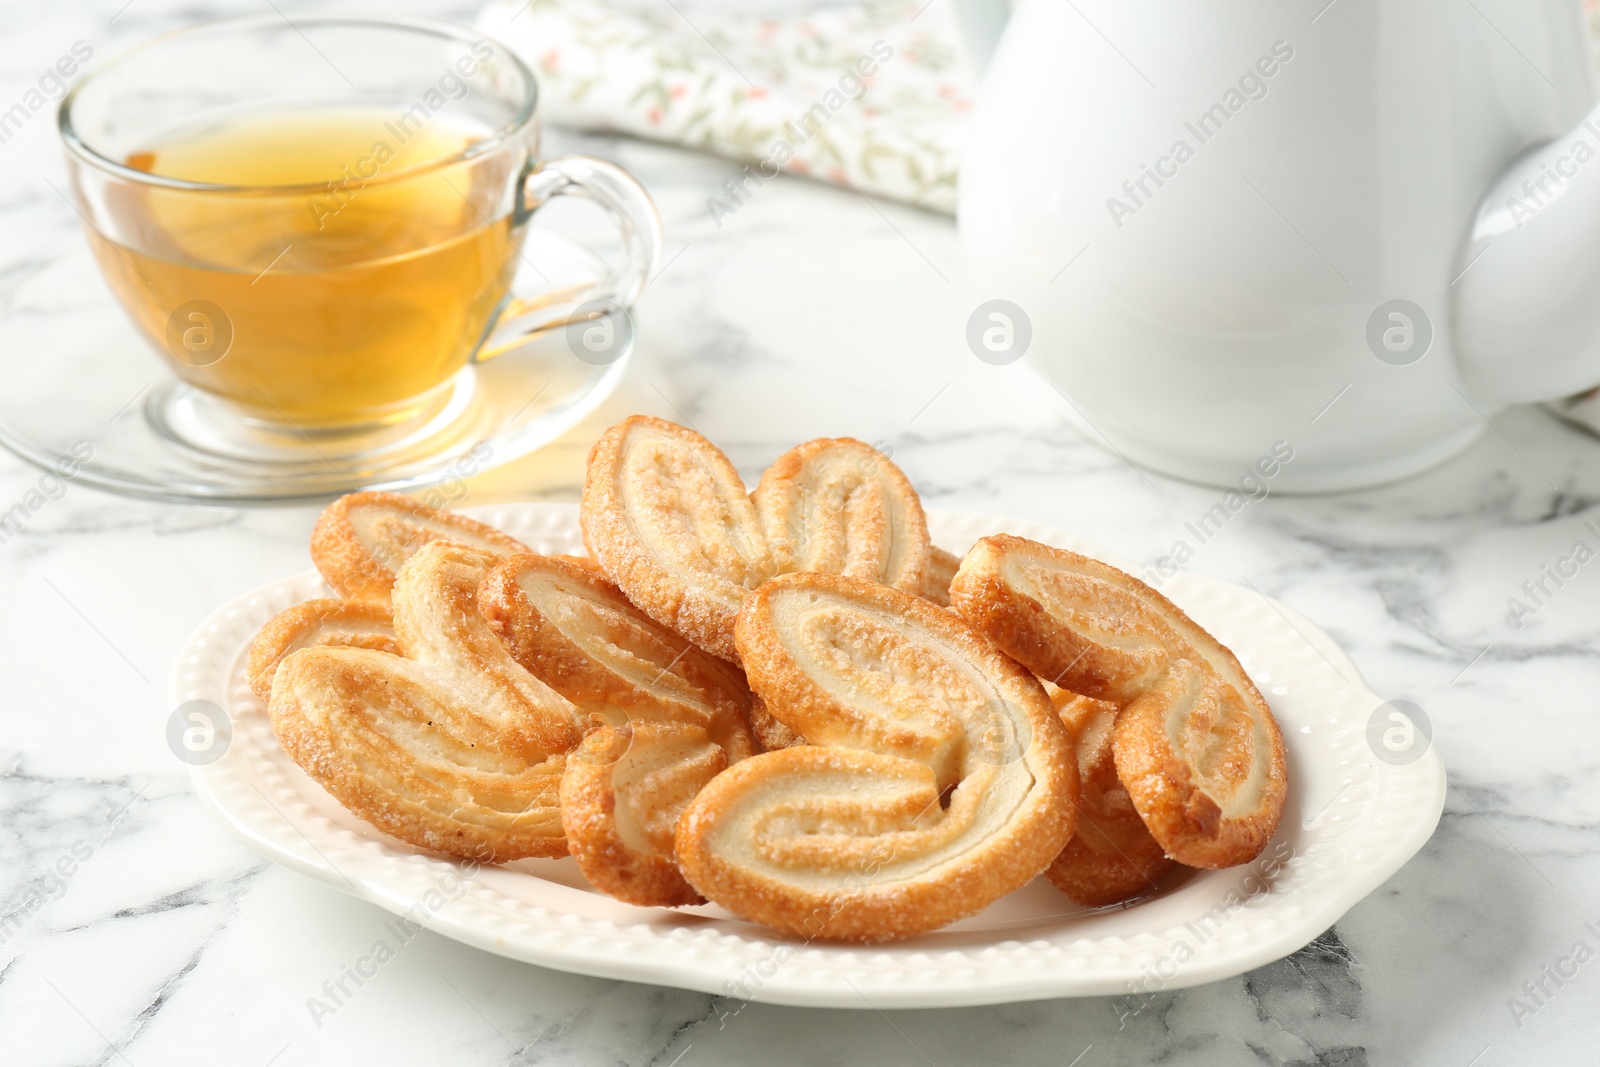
[(135, 931)]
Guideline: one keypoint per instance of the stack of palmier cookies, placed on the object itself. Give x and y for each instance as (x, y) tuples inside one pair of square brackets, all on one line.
[(786, 701)]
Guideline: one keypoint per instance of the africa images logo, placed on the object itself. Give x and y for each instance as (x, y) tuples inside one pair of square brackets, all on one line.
[(1252, 85)]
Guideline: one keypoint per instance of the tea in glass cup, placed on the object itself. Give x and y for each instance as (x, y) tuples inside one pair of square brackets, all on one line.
[(318, 224)]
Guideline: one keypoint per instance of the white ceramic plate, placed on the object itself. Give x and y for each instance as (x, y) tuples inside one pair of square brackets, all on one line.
[(1352, 821)]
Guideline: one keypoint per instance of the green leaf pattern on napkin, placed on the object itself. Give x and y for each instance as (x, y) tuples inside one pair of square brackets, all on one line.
[(737, 84)]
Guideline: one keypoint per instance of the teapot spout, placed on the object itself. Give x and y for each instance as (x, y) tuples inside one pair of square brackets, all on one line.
[(1527, 288)]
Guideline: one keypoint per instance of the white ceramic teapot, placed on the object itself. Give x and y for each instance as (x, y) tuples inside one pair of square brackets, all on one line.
[(1350, 228)]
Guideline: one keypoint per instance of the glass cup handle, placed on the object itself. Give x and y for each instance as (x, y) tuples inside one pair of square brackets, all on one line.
[(634, 213)]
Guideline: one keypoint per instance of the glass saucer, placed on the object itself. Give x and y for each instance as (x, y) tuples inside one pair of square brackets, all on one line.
[(83, 388), (1582, 410)]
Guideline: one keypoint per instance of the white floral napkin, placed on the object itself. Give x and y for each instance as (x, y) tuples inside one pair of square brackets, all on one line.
[(871, 95)]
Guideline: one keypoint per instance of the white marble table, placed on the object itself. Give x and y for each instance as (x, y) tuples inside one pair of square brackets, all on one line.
[(161, 940)]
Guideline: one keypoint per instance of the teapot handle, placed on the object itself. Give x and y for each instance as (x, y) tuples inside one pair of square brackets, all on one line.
[(981, 22), (1527, 321)]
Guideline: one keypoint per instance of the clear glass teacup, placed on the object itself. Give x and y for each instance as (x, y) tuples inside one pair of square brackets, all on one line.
[(316, 223)]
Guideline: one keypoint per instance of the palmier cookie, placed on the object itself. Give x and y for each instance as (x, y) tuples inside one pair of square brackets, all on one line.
[(664, 512), (771, 733), (622, 795), (453, 746), (839, 506), (1196, 745), (666, 515), (361, 540), (942, 567), (573, 629), (1112, 856), (328, 622), (938, 776)]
